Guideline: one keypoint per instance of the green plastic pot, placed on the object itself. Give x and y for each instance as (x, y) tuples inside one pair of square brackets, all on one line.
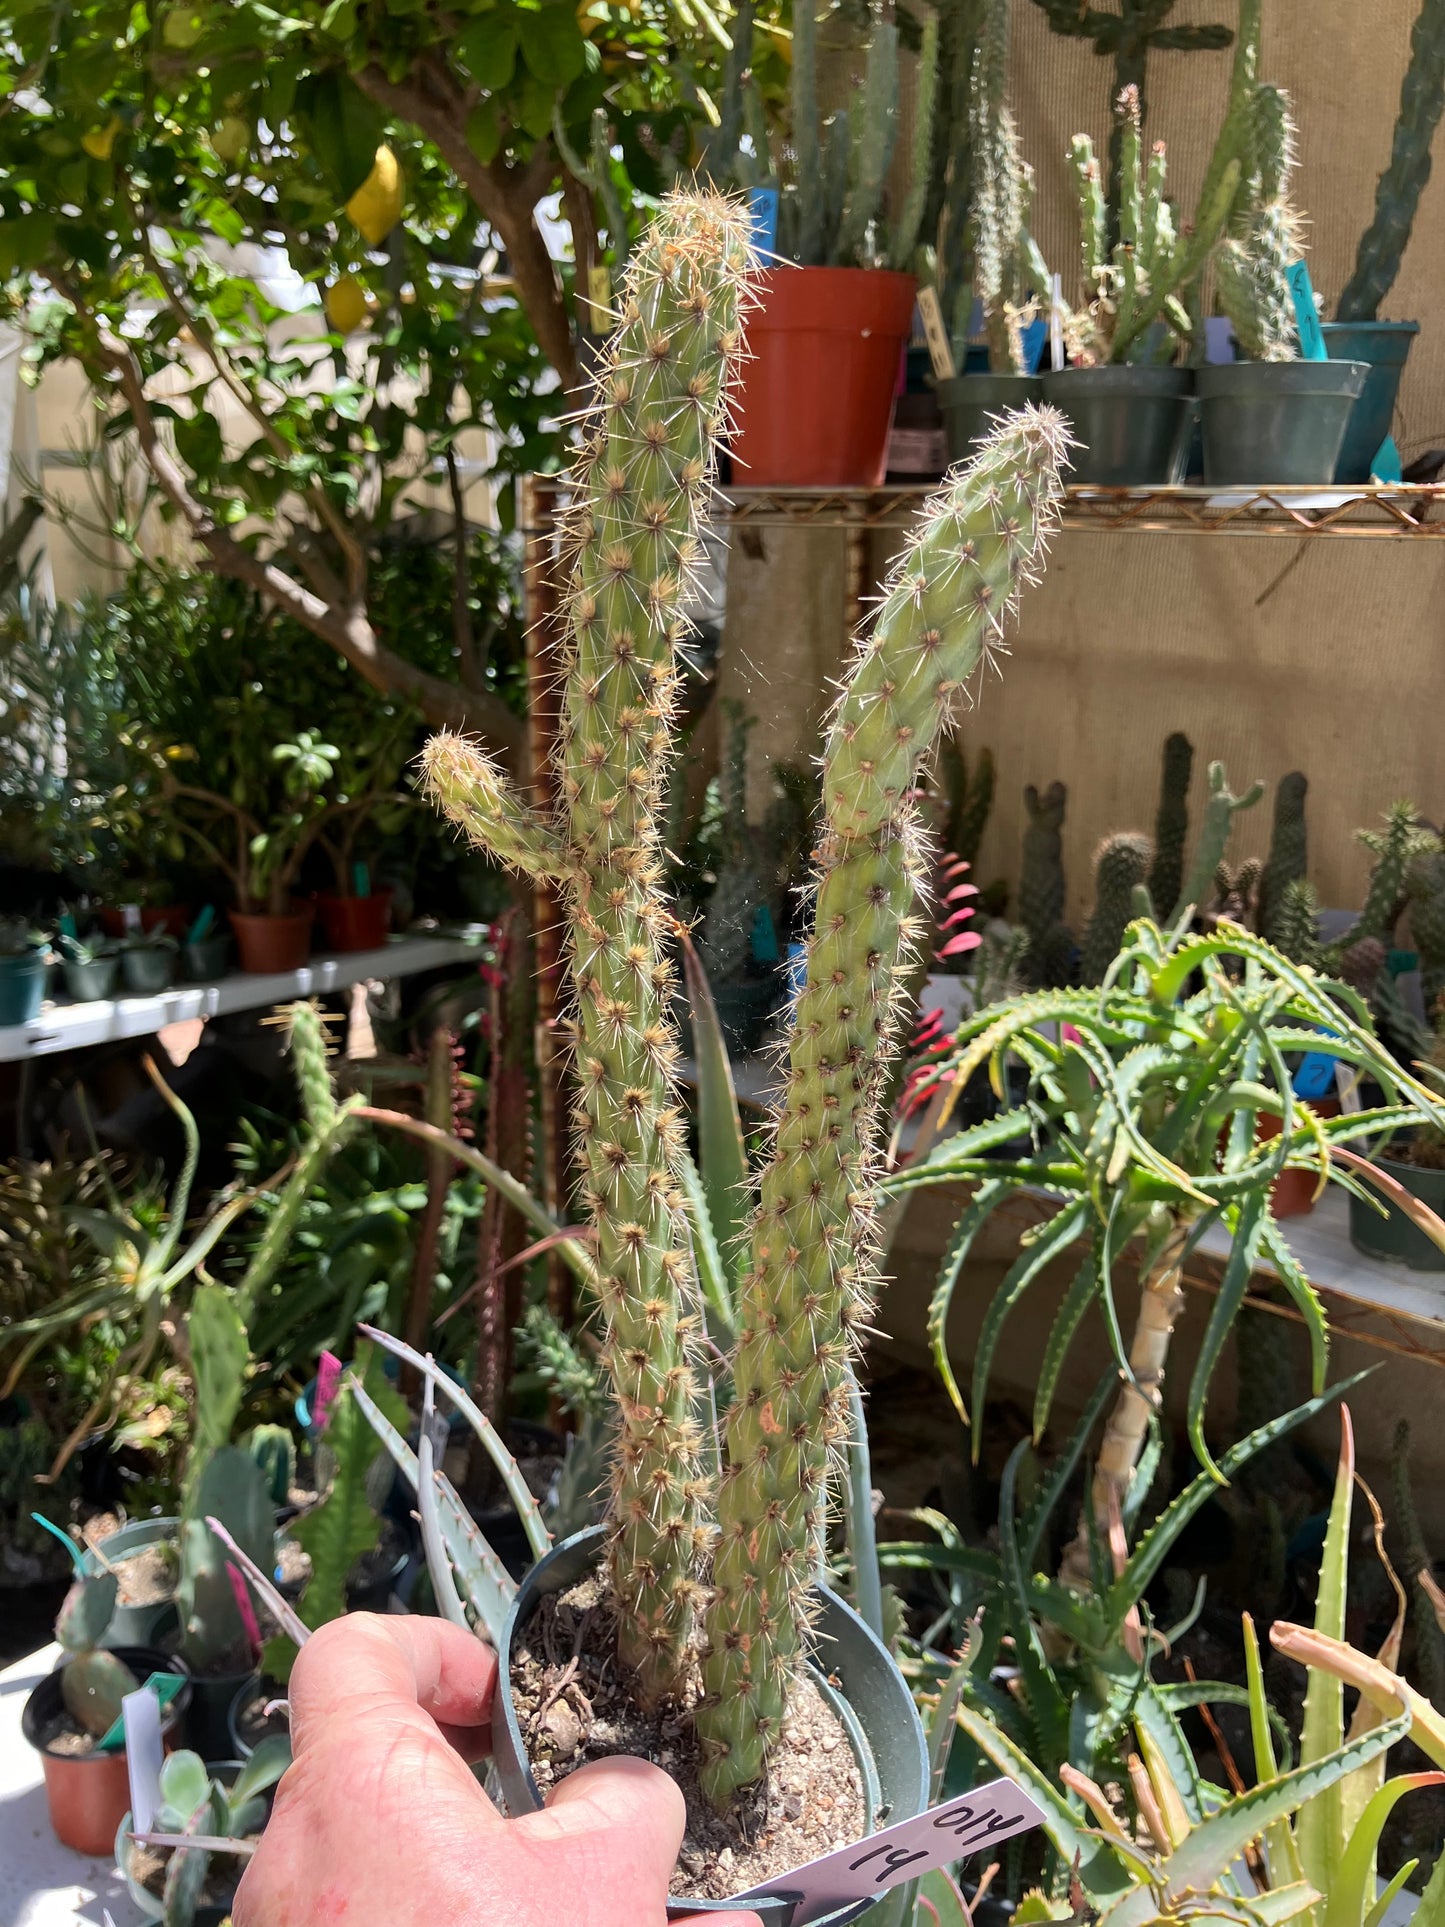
[(1384, 346), (871, 1698), (91, 982), (22, 987), (1272, 424), (1132, 423), (1393, 1236), (210, 958), (148, 970), (136, 1625), (970, 403)]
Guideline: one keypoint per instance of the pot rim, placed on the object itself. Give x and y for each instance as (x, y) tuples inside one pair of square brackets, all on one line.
[(1315, 380), (171, 1713)]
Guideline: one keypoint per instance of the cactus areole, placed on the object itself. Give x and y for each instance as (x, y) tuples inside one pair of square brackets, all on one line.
[(722, 1578)]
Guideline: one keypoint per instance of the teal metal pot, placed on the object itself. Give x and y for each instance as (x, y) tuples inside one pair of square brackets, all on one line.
[(136, 1625), (1272, 424), (22, 987), (1393, 1236), (1384, 347), (970, 404), (1132, 423), (874, 1705)]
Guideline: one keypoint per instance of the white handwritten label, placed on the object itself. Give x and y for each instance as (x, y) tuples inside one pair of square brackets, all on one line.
[(940, 348), (973, 1823), (141, 1714)]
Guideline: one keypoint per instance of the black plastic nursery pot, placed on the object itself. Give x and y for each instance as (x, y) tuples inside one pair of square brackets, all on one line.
[(136, 1625), (1393, 1236), (1385, 347), (208, 1721), (243, 1737), (88, 1793), (970, 405), (1132, 423), (870, 1697), (1271, 424), (208, 959)]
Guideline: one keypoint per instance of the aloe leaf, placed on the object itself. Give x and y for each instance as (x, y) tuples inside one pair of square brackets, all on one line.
[(1067, 1319), (1350, 1897), (1431, 1910), (1247, 1230), (1036, 1520), (723, 1158), (1307, 1300), (1046, 1699), (1279, 1839), (712, 1273), (1044, 1244), (973, 1217), (858, 1504), (1320, 1829), (438, 1559)]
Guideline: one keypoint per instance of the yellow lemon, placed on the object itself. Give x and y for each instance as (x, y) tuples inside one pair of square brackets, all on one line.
[(231, 139), (346, 305), (99, 141), (376, 205)]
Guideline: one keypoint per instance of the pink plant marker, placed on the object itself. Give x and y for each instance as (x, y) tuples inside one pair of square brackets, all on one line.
[(242, 1593), (328, 1381)]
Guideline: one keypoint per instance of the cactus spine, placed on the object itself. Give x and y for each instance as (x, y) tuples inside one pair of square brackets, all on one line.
[(642, 475), (1265, 237), (1219, 814), (1171, 826), (1398, 191), (810, 1284), (1288, 858), (1121, 864)]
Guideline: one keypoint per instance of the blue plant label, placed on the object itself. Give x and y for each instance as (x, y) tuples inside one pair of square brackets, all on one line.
[(1386, 465), (1306, 314), (973, 1821), (201, 928), (763, 207), (1315, 1077), (164, 1686), (764, 936), (144, 1753)]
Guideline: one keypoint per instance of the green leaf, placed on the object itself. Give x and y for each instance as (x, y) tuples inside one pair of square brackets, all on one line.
[(264, 1768), (484, 130), (940, 1904), (1320, 1827), (969, 1224), (1043, 1244), (552, 45), (1349, 1898), (488, 50), (1076, 1301), (198, 442), (1431, 1910), (1249, 1220), (342, 127), (185, 1784), (722, 1158), (219, 1357)]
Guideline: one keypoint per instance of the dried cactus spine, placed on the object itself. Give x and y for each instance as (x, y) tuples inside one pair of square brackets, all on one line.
[(810, 1283)]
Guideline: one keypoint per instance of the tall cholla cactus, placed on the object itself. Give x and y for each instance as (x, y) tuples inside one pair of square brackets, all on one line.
[(1007, 266), (810, 1287), (640, 483), (1265, 237), (641, 480)]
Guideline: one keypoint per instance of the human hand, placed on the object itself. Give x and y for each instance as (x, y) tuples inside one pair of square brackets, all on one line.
[(379, 1823)]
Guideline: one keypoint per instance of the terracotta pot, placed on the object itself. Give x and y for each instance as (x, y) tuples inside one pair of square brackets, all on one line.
[(356, 923), (266, 944), (815, 401), (89, 1795), (1293, 1192), (173, 918)]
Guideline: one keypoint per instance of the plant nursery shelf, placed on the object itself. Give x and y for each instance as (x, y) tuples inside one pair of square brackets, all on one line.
[(62, 1027)]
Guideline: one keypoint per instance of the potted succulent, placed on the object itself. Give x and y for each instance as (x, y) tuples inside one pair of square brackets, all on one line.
[(357, 915), (89, 966), (148, 962), (1269, 417), (815, 398), (71, 1712), (226, 1800), (1382, 1223), (1357, 333), (142, 1556), (713, 1589), (22, 971), (1009, 273), (205, 948)]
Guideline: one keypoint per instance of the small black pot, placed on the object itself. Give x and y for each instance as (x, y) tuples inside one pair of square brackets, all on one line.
[(1271, 424), (1393, 1236), (259, 1687), (875, 1706), (208, 1724), (971, 404), (1132, 423)]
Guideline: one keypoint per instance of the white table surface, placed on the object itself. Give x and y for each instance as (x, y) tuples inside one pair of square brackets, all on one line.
[(43, 1884)]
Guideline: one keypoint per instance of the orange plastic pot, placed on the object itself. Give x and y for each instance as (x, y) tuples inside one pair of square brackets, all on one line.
[(815, 402), (1293, 1192), (266, 944), (356, 923)]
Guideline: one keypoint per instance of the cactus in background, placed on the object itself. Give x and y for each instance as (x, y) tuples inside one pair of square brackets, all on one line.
[(1425, 886), (1265, 236), (1041, 888), (810, 1286), (1236, 892), (1171, 826), (1396, 848), (93, 1682), (1121, 863), (274, 1451), (726, 946), (969, 799), (1288, 858), (1219, 814), (1296, 931), (1398, 191), (1415, 1561), (1007, 267), (1138, 281)]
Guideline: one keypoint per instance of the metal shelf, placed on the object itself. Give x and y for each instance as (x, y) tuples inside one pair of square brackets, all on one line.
[(1374, 512)]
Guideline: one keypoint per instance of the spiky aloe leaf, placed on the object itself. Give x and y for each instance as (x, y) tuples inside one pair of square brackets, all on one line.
[(1351, 1897), (1320, 1829)]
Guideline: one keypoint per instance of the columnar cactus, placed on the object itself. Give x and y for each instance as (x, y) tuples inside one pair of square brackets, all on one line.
[(1219, 814), (1121, 863), (1265, 236), (1426, 887), (1296, 924), (1288, 857), (1041, 887), (641, 480), (1005, 270), (810, 1286), (1171, 826)]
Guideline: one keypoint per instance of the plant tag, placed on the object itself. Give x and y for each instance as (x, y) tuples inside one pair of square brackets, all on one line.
[(1386, 465), (599, 297), (944, 1834), (1056, 322), (763, 209), (1347, 1086), (1306, 314), (1315, 1077), (940, 349), (165, 1686), (141, 1714), (201, 928)]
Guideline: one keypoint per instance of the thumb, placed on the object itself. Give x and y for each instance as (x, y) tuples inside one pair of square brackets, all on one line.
[(616, 1825)]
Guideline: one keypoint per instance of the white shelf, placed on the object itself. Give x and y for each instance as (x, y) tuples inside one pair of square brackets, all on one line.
[(65, 1026)]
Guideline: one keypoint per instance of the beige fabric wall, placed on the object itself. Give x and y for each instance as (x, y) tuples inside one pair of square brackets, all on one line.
[(1339, 669)]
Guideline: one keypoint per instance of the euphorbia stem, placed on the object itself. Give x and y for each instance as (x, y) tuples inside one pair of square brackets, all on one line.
[(1160, 1303)]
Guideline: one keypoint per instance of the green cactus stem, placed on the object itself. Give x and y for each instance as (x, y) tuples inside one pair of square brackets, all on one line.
[(810, 1286), (1041, 888), (1425, 886), (1398, 191), (1171, 826), (1415, 1560), (1219, 814), (1296, 924), (1002, 188), (641, 483), (1265, 237), (1121, 864), (1288, 857), (1395, 848)]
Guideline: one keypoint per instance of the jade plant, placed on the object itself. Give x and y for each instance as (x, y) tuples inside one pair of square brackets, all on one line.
[(690, 1584)]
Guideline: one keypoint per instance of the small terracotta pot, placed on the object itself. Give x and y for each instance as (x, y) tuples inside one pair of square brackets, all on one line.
[(1293, 1192), (267, 944), (173, 918), (356, 923), (89, 1795)]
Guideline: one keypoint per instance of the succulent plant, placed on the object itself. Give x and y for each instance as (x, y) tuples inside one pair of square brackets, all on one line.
[(191, 1802), (1007, 265), (1041, 887), (1264, 238), (1288, 859), (641, 479), (1121, 864), (93, 1682), (1171, 826), (1220, 810)]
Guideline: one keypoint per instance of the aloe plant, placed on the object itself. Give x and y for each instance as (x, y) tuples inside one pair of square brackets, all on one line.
[(1141, 1112)]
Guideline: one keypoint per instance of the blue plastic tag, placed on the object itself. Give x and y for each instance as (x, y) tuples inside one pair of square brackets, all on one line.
[(1315, 1077), (764, 936), (1306, 314), (1386, 465), (763, 207)]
